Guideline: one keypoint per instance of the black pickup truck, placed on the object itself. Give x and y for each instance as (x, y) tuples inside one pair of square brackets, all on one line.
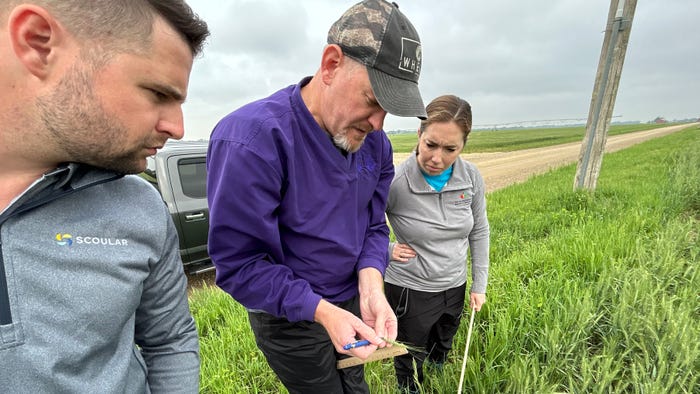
[(178, 171)]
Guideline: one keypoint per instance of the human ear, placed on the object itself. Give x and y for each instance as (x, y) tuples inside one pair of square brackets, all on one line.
[(330, 62), (34, 34)]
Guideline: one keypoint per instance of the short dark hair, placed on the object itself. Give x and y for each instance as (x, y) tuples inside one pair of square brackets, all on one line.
[(124, 25), (181, 17)]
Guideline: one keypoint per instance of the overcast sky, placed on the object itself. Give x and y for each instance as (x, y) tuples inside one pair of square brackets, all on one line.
[(514, 61)]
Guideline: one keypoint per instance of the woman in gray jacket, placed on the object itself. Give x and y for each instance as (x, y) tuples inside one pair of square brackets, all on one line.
[(437, 210)]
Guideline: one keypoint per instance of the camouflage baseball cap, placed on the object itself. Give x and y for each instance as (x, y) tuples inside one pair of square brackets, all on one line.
[(377, 34)]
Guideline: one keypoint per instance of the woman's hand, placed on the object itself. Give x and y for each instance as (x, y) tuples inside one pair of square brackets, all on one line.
[(476, 300), (402, 253)]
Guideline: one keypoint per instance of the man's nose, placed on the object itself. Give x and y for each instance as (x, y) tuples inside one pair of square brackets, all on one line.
[(172, 123), (376, 119)]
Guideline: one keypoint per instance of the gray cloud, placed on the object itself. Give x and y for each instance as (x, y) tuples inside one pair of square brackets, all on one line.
[(515, 61)]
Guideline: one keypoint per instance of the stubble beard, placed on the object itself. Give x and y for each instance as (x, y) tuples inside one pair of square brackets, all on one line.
[(342, 141), (78, 125)]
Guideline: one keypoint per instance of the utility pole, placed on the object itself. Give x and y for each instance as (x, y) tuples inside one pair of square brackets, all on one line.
[(612, 56)]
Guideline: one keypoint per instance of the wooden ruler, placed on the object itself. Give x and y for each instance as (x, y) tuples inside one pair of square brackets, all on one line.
[(379, 354)]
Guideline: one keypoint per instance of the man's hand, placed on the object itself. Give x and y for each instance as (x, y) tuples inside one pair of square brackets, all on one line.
[(374, 307), (344, 328)]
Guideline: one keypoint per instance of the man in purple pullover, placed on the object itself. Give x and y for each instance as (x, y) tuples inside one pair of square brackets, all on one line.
[(297, 187)]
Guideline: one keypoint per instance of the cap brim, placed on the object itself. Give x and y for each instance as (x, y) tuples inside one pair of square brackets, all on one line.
[(397, 96)]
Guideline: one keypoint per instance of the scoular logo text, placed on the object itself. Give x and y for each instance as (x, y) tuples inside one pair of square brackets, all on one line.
[(64, 239)]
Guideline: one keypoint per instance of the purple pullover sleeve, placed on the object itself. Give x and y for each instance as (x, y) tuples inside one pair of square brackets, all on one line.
[(244, 239)]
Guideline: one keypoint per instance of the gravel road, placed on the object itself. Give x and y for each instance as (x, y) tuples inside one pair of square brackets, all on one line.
[(501, 169)]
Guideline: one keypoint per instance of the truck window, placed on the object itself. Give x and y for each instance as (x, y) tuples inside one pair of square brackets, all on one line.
[(193, 177)]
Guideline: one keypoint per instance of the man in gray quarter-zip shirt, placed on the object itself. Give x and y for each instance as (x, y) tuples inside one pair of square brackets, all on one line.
[(92, 291)]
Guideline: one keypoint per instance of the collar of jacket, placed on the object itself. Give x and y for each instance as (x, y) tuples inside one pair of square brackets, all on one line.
[(63, 180), (417, 184)]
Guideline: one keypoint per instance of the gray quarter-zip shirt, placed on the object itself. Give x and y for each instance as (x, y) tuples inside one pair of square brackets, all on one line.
[(92, 291), (441, 227)]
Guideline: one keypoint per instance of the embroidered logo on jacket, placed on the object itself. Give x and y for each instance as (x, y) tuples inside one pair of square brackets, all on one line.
[(64, 239), (463, 202), (365, 164), (464, 199)]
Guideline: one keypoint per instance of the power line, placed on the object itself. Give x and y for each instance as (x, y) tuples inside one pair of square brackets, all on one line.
[(533, 122)]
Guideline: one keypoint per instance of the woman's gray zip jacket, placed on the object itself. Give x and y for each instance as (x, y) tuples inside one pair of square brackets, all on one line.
[(440, 227)]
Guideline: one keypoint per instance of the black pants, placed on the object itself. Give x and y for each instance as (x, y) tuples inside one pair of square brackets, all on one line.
[(303, 357), (428, 321)]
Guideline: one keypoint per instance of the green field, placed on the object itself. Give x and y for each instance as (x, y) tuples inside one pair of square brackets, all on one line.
[(516, 139), (588, 293)]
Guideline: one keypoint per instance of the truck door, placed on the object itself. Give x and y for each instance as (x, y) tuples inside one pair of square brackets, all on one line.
[(190, 199)]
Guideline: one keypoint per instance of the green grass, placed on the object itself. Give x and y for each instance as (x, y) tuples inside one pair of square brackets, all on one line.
[(588, 293), (230, 360), (515, 139)]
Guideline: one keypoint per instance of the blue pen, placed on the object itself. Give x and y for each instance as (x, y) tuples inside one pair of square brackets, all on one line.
[(353, 345)]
